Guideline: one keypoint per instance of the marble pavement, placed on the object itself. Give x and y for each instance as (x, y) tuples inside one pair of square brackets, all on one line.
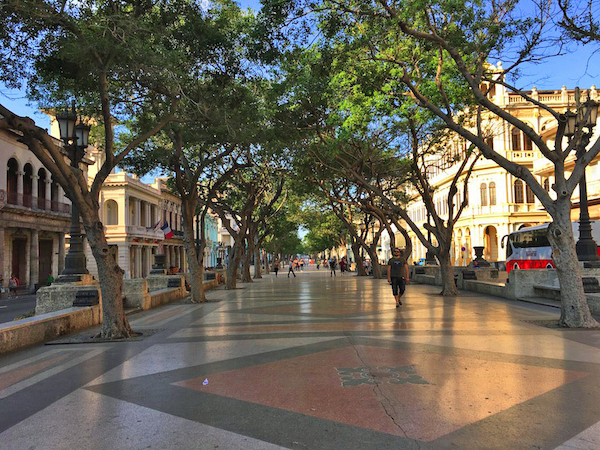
[(314, 362)]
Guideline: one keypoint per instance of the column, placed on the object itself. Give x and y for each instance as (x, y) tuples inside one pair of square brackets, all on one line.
[(61, 252), (137, 212), (126, 210), (3, 282), (34, 260), (20, 174), (48, 191), (138, 261), (34, 190), (167, 256)]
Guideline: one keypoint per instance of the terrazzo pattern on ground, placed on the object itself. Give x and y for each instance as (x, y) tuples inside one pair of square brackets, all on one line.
[(314, 362)]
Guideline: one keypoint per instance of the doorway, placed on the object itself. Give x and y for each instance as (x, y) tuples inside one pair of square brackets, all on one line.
[(45, 260), (19, 259)]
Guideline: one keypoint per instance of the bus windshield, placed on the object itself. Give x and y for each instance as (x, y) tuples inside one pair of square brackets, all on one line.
[(533, 238)]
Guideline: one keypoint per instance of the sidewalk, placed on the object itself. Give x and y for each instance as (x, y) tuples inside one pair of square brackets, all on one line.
[(314, 362)]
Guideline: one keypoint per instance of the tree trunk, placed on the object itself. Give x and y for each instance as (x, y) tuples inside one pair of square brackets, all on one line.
[(360, 268), (246, 277), (235, 257), (267, 266), (257, 268), (114, 322), (575, 312), (195, 264), (448, 285), (374, 262)]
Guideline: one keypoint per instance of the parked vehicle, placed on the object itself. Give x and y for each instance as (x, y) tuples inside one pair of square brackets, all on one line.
[(529, 248)]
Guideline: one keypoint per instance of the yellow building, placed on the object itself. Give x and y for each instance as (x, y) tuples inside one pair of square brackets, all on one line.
[(500, 203)]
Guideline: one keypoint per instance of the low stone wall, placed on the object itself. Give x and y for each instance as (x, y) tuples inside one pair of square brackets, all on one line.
[(33, 330), (60, 296), (485, 287), (136, 294), (156, 282)]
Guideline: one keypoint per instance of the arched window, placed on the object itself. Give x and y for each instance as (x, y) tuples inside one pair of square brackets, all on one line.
[(483, 190), (492, 189), (527, 141), (529, 195), (515, 137), (12, 169), (41, 192), (27, 184), (518, 191), (112, 212), (547, 185)]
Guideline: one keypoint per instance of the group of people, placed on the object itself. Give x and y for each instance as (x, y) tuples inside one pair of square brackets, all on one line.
[(397, 271)]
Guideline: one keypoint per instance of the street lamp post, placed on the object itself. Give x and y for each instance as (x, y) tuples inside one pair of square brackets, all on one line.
[(586, 116), (75, 137), (429, 258)]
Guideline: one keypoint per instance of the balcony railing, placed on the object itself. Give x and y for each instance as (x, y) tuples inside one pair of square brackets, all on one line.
[(35, 203)]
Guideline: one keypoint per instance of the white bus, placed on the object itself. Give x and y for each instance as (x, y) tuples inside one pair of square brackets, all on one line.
[(529, 247)]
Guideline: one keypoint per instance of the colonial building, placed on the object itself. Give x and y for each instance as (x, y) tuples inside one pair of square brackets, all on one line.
[(34, 216), (500, 203)]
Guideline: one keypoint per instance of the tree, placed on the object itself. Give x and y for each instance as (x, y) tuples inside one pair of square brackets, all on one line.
[(437, 47), (116, 59)]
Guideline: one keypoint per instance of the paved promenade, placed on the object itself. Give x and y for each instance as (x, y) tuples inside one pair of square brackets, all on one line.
[(314, 362)]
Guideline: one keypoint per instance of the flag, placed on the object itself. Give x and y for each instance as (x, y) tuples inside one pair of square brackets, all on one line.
[(157, 225), (167, 230)]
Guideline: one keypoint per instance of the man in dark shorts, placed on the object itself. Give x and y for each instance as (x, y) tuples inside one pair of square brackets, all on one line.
[(397, 275)]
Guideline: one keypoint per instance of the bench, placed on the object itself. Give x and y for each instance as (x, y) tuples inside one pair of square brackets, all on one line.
[(469, 275), (419, 270), (210, 276), (86, 297), (174, 283)]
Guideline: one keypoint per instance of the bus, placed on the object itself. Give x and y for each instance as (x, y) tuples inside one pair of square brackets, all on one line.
[(529, 248)]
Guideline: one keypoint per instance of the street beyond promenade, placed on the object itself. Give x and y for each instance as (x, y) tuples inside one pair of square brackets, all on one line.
[(314, 362)]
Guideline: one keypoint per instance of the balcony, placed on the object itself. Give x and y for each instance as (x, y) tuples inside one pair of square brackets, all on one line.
[(503, 209), (34, 203), (144, 232)]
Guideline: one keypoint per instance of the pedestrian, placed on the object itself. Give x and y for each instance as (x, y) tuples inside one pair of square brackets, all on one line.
[(343, 265), (276, 267), (13, 284), (332, 266), (397, 275), (291, 269), (318, 264), (301, 262)]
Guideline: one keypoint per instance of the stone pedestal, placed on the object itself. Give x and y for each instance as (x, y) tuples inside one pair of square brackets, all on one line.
[(61, 296), (158, 268)]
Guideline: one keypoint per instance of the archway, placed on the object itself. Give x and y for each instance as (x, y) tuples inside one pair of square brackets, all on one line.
[(27, 184), (41, 189), (468, 253), (111, 213), (12, 177), (491, 243)]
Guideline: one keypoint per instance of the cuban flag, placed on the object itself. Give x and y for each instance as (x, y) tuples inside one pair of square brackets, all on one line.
[(167, 230)]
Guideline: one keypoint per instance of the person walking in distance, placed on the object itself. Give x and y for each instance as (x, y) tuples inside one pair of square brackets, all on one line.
[(276, 267), (332, 266), (291, 270), (397, 275)]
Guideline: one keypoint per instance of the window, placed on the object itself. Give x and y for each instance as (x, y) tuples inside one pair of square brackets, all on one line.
[(492, 189), (516, 140), (112, 212), (518, 191), (528, 143), (490, 142), (547, 185), (529, 195), (483, 190)]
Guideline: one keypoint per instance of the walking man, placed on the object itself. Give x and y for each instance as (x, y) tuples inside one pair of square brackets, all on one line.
[(397, 275), (276, 267), (291, 268), (332, 265)]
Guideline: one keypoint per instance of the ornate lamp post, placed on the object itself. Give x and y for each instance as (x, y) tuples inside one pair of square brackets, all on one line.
[(586, 117), (75, 137)]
